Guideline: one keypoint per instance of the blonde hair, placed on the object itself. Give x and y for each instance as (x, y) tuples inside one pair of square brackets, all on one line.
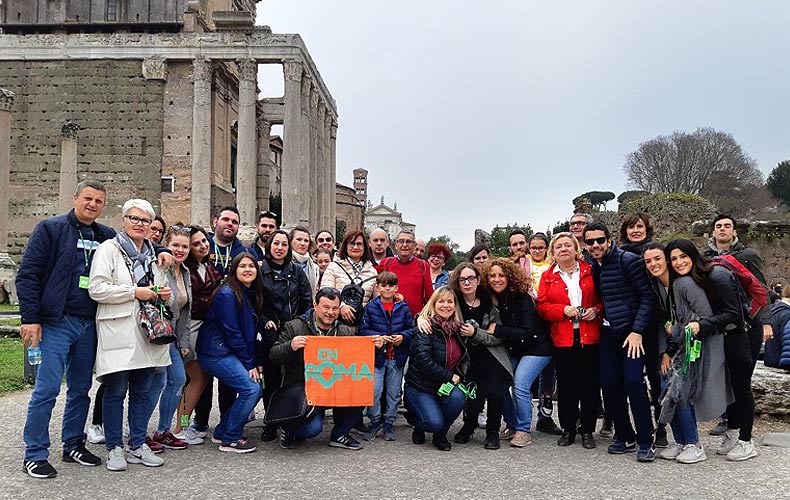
[(429, 311), (570, 236)]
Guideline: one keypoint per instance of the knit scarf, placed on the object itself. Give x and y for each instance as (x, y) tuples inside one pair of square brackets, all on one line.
[(310, 268), (448, 326), (141, 261)]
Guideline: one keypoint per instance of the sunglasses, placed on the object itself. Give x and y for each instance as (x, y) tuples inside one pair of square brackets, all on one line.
[(591, 241)]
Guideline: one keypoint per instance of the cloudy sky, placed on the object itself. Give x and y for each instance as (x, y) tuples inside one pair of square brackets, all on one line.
[(473, 114)]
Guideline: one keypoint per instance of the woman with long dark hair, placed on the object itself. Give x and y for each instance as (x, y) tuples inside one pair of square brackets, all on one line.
[(226, 347), (352, 263)]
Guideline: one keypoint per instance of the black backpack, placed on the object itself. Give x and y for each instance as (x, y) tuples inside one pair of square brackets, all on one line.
[(353, 294)]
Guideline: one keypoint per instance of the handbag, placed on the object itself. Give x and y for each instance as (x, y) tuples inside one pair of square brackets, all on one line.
[(288, 405), (352, 295), (154, 320)]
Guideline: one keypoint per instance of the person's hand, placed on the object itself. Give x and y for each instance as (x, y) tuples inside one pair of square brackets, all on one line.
[(165, 260), (184, 351), (424, 325), (768, 333), (491, 329), (665, 361), (398, 297), (517, 256), (694, 326), (30, 333), (298, 342), (396, 340), (348, 313), (590, 314), (144, 293), (270, 325), (456, 379), (378, 341), (571, 312), (255, 374), (165, 293), (634, 344), (467, 330)]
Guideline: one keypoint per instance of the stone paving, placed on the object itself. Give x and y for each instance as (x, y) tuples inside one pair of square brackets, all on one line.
[(393, 470)]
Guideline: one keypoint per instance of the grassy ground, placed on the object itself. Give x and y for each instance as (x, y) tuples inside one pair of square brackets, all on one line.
[(10, 322), (8, 307), (11, 365)]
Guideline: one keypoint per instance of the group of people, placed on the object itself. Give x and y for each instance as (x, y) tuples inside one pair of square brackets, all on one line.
[(600, 316)]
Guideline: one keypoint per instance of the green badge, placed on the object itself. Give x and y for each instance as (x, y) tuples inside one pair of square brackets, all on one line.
[(84, 282)]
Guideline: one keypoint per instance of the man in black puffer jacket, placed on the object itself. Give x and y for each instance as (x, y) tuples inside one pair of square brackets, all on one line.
[(621, 279)]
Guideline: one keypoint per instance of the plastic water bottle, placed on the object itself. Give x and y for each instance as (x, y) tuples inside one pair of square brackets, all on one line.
[(34, 354)]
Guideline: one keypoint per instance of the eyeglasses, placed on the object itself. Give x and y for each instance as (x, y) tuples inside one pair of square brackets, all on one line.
[(325, 240), (578, 223), (591, 241), (468, 280), (156, 230), (356, 244), (135, 220), (404, 242), (436, 256)]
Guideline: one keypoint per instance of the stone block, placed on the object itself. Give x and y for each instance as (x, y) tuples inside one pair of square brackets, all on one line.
[(771, 388)]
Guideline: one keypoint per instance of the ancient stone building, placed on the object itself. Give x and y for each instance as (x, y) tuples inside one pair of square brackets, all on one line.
[(386, 218), (160, 100)]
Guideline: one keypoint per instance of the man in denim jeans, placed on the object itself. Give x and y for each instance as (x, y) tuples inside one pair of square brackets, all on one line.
[(59, 316)]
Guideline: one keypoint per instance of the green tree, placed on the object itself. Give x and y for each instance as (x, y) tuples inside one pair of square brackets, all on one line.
[(598, 199), (561, 227), (500, 238), (630, 195), (779, 182)]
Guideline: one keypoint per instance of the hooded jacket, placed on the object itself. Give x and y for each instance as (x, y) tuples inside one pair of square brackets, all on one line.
[(376, 321)]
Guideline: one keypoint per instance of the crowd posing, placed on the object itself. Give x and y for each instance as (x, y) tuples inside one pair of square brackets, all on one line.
[(642, 334)]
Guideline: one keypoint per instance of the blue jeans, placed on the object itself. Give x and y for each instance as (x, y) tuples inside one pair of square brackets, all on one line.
[(622, 382), (68, 348), (684, 425), (389, 377), (166, 389), (344, 418), (517, 411), (230, 371), (138, 384), (431, 412)]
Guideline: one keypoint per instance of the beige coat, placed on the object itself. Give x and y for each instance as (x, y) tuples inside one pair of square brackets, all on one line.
[(121, 344), (335, 277)]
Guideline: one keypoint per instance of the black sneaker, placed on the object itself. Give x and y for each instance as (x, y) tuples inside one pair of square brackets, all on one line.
[(418, 436), (269, 433), (361, 428), (40, 469), (546, 406), (607, 429), (240, 446), (346, 442), (81, 455), (287, 440), (548, 426), (720, 428), (620, 447), (661, 437)]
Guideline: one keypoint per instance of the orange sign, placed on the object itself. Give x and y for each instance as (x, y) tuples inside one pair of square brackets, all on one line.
[(338, 371)]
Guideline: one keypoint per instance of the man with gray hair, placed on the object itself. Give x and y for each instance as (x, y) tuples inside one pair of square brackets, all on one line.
[(414, 275)]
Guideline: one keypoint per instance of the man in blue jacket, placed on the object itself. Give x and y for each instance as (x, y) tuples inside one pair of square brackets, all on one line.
[(58, 315), (622, 280)]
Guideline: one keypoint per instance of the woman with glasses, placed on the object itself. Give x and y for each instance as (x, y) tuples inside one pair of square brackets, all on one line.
[(352, 264), (204, 278), (567, 299), (300, 252), (121, 276), (158, 229), (438, 255), (289, 296)]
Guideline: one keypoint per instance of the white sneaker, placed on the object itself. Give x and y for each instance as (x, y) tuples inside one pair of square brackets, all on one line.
[(671, 452), (743, 450), (189, 436), (728, 442), (144, 455), (116, 461), (481, 420), (95, 434), (691, 455)]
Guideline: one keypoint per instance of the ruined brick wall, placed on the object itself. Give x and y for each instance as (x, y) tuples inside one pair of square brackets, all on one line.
[(177, 142), (120, 142)]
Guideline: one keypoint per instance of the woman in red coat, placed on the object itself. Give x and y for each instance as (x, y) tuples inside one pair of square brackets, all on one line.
[(569, 302)]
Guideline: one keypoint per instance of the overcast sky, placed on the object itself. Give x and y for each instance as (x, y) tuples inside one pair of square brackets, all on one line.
[(473, 114)]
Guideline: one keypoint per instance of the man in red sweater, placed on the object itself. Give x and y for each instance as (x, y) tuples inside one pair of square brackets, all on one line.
[(414, 275)]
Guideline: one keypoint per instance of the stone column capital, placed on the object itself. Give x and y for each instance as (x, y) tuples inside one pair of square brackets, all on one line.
[(155, 68), (202, 69), (293, 70), (248, 69), (6, 99), (69, 130), (264, 126)]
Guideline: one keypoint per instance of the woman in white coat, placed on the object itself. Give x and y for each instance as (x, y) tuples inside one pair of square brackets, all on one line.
[(352, 262), (121, 276)]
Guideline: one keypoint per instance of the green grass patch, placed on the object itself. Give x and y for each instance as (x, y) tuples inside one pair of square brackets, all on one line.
[(9, 307), (10, 321), (11, 365)]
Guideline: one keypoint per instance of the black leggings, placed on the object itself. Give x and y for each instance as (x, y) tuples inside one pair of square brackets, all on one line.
[(578, 387), (98, 418), (741, 350), (491, 379)]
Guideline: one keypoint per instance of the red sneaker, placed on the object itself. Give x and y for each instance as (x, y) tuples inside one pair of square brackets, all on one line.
[(169, 441), (155, 447)]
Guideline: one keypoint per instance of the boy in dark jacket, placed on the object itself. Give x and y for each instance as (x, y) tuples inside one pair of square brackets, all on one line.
[(393, 321)]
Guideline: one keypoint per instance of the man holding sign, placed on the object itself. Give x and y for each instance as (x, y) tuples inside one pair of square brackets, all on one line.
[(337, 373)]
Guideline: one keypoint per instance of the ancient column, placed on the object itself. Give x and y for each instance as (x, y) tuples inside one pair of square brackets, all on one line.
[(315, 221), (333, 171), (326, 168), (68, 165), (306, 156), (247, 154), (292, 129), (202, 71), (6, 102), (320, 172), (264, 163)]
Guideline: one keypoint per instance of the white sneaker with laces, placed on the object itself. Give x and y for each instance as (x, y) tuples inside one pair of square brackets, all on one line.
[(116, 461), (671, 452), (95, 434), (691, 455), (728, 442), (189, 436), (144, 455), (743, 450)]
